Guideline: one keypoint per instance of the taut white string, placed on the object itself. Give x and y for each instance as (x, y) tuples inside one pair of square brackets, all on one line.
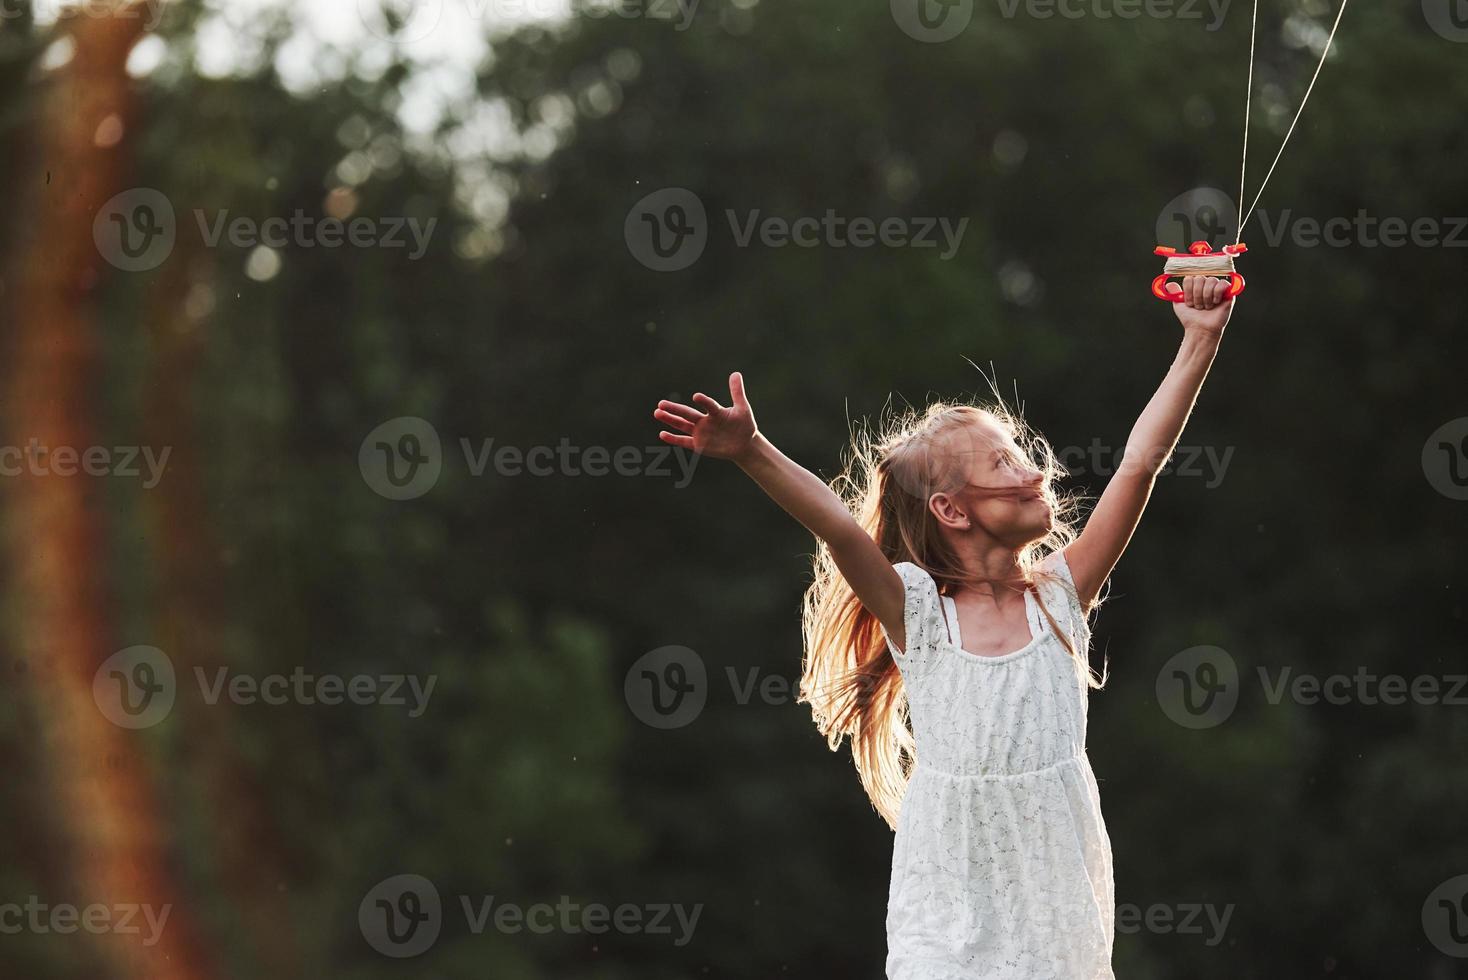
[(1329, 41), (1248, 107)]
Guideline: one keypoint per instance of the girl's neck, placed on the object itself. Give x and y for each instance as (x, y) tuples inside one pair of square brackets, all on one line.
[(992, 563)]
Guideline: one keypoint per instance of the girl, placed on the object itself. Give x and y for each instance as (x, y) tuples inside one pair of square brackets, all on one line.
[(946, 633)]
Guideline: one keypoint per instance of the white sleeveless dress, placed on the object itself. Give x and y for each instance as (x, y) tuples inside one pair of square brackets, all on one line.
[(1001, 867)]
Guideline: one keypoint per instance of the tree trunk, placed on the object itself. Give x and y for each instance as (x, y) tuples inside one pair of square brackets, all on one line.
[(106, 806)]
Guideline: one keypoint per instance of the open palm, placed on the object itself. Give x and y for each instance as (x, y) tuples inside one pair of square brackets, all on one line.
[(707, 427)]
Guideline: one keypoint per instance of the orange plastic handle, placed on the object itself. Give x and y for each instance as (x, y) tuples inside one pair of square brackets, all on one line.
[(1235, 286)]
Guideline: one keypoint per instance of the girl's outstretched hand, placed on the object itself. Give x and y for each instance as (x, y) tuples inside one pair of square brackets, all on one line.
[(1205, 307), (710, 429)]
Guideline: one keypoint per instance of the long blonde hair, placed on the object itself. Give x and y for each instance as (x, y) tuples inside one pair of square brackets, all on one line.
[(849, 677)]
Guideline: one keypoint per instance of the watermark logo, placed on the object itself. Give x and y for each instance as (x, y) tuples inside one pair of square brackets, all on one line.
[(932, 21), (1445, 917), (1445, 459), (1208, 214), (670, 686), (1449, 18), (402, 458), (401, 21), (667, 230), (1201, 214), (135, 688), (1199, 687), (136, 230), (401, 916), (667, 687)]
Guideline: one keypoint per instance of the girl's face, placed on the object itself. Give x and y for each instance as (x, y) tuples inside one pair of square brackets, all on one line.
[(1005, 494)]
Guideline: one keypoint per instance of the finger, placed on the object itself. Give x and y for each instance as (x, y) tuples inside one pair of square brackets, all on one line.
[(1172, 289), (706, 403), (1210, 294), (673, 421), (1195, 291), (736, 390), (673, 439), (1220, 291), (686, 411)]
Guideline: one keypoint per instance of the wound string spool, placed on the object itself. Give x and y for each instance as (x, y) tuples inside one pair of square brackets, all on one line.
[(1199, 265)]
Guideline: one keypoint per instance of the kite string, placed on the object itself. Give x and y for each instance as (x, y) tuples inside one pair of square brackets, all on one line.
[(1248, 107), (1329, 41)]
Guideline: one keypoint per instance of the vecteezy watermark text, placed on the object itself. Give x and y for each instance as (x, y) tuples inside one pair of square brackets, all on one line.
[(403, 458), (402, 917), (567, 459), (1098, 459), (63, 918), (1364, 230), (136, 231), (309, 231), (51, 11), (936, 21), (668, 230), (1213, 11), (36, 459), (1199, 687), (668, 687), (410, 21), (1209, 214), (1182, 918), (138, 686)]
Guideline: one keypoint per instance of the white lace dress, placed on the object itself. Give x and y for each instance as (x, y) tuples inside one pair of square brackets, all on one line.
[(1001, 868)]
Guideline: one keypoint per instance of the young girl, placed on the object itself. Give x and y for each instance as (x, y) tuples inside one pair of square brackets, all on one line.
[(946, 633)]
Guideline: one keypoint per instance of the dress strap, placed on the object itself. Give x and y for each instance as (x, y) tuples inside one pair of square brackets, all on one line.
[(1034, 618), (950, 614), (1033, 614)]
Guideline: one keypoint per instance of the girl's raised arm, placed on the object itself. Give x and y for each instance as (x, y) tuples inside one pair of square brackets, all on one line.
[(1204, 313), (710, 429)]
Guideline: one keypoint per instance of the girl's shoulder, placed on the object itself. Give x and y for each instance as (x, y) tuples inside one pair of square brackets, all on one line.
[(922, 615), (915, 576), (1055, 566), (1058, 585)]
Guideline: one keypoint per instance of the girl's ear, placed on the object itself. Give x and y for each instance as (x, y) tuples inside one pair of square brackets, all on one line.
[(949, 514)]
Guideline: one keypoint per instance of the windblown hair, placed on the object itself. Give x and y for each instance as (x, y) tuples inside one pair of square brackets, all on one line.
[(849, 677)]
